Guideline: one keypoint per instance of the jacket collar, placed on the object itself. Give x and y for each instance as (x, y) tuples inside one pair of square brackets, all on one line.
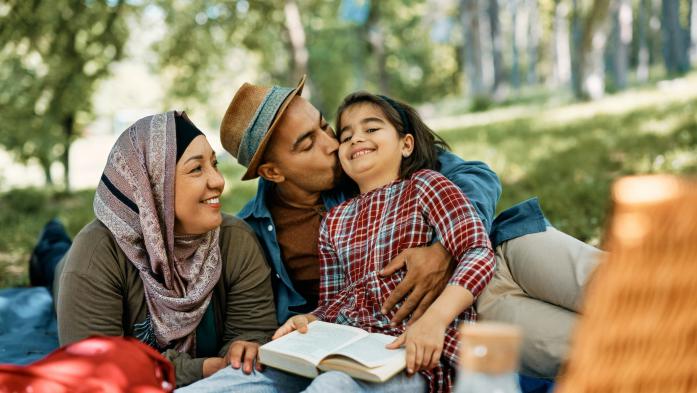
[(257, 206)]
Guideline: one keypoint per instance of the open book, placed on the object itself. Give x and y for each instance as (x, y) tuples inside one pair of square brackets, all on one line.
[(328, 346)]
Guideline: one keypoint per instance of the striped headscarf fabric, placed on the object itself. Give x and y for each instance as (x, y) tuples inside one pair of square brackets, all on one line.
[(135, 201)]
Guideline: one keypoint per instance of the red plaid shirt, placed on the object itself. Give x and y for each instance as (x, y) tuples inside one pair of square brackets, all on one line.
[(360, 236)]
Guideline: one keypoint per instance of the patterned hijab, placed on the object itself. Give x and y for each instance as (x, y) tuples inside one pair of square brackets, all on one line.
[(135, 201)]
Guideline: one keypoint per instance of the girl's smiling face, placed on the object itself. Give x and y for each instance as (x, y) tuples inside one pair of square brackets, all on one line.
[(371, 149)]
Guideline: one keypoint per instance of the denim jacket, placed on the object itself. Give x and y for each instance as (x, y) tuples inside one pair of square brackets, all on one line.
[(474, 178)]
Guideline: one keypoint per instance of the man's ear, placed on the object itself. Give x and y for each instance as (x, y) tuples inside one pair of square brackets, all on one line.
[(270, 172)]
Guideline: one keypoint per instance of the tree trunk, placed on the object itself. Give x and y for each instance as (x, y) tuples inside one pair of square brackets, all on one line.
[(692, 28), (622, 37), (377, 41), (296, 35), (674, 48), (69, 132), (375, 36), (655, 33), (473, 54), (533, 40), (612, 42), (642, 71), (515, 61), (486, 48), (591, 62), (561, 70), (495, 28), (576, 47), (46, 167), (667, 37), (626, 22), (359, 53)]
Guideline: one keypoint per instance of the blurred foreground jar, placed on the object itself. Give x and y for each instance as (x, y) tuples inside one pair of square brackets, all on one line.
[(488, 358)]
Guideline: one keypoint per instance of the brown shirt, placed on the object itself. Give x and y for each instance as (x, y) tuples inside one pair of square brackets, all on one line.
[(98, 291), (297, 233)]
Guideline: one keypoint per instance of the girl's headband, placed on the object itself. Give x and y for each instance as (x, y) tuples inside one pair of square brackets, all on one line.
[(402, 114)]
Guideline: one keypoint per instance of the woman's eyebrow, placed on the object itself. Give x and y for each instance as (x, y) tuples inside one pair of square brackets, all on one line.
[(198, 157)]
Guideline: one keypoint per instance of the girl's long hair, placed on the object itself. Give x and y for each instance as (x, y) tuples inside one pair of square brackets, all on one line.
[(427, 143)]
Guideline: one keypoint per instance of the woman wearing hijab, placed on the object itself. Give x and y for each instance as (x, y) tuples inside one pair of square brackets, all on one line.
[(161, 263)]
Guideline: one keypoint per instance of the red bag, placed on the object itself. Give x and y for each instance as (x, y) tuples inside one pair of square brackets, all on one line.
[(95, 364)]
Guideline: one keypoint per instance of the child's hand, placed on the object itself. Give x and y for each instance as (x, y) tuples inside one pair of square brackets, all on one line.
[(424, 343), (298, 322)]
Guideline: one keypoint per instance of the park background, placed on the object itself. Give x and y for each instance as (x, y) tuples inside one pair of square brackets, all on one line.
[(559, 97)]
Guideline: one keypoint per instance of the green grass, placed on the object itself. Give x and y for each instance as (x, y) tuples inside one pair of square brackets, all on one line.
[(23, 212), (569, 164)]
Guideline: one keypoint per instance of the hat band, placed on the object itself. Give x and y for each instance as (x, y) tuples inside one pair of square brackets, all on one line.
[(262, 120)]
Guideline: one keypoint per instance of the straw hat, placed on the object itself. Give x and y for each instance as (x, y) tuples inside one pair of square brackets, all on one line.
[(250, 120)]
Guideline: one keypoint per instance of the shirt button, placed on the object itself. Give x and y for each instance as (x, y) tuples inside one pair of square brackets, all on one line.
[(278, 275), (270, 228)]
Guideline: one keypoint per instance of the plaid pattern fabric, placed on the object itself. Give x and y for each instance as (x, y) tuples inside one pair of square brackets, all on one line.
[(360, 236)]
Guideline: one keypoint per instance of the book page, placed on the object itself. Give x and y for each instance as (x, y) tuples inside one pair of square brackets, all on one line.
[(321, 339), (370, 350)]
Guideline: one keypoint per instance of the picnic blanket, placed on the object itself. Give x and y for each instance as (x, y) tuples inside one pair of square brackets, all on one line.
[(28, 330)]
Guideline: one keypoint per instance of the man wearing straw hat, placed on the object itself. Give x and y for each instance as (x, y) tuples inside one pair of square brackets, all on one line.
[(283, 139)]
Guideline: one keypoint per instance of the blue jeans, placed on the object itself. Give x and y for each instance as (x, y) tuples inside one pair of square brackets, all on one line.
[(273, 380)]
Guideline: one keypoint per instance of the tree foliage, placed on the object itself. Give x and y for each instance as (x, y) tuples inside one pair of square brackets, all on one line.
[(389, 50), (53, 54)]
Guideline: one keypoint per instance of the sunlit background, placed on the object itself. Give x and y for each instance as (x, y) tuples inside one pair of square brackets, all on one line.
[(559, 97)]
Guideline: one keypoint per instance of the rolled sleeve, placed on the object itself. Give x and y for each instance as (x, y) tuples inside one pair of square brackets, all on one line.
[(475, 270)]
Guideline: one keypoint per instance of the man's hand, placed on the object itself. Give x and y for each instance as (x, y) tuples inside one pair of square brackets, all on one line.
[(212, 366), (242, 354), (428, 272), (298, 322)]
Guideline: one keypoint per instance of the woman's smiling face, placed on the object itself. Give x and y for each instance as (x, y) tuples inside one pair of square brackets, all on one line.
[(198, 186)]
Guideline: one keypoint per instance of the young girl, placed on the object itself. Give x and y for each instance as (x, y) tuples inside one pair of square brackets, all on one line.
[(387, 150)]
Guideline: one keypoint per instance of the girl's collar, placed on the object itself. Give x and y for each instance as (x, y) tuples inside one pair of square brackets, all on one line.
[(381, 188)]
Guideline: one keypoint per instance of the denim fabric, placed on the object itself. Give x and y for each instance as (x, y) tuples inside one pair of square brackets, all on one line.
[(28, 328), (273, 381), (288, 301), (234, 380), (535, 385), (335, 381), (519, 220)]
